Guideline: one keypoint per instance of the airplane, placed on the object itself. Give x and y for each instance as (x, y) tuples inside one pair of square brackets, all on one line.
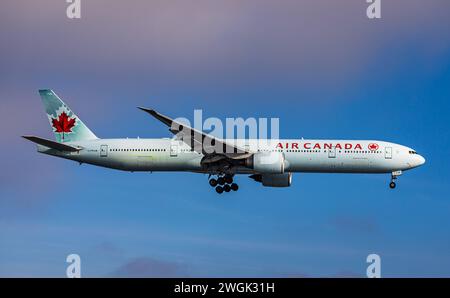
[(267, 161)]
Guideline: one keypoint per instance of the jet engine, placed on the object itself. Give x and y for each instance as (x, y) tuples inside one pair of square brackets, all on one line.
[(266, 162), (273, 180)]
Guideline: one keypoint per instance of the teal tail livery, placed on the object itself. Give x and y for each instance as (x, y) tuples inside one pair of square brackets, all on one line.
[(66, 126)]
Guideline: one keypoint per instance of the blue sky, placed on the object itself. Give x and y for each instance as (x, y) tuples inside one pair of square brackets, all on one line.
[(321, 66)]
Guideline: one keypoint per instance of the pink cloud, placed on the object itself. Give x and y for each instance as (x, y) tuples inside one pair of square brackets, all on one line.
[(227, 44)]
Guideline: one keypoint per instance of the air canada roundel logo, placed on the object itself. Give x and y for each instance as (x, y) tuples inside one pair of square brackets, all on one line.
[(373, 146), (63, 123)]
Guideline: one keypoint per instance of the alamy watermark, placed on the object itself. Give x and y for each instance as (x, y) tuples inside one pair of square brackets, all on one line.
[(374, 9), (212, 135), (374, 269), (74, 268), (73, 10)]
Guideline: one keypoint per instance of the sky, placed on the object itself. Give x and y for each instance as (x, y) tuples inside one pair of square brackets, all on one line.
[(321, 66)]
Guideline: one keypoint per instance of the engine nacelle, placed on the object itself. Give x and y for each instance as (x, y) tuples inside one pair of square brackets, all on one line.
[(267, 162), (274, 180)]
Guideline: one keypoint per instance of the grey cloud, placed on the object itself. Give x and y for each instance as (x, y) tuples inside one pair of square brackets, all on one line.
[(217, 43), (149, 267), (24, 174), (119, 47), (108, 248), (348, 274), (355, 224)]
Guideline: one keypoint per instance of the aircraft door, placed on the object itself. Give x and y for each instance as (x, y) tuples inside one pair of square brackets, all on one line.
[(103, 150), (388, 152), (173, 150), (332, 153)]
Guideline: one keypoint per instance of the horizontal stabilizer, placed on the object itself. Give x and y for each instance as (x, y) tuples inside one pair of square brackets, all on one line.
[(51, 144)]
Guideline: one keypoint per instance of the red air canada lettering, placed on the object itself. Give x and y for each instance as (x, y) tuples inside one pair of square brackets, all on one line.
[(314, 146)]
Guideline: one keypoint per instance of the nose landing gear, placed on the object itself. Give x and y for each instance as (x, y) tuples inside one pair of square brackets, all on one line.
[(224, 183), (394, 176)]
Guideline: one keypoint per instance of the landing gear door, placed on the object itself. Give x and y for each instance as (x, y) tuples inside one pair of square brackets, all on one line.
[(332, 153), (104, 151), (388, 152)]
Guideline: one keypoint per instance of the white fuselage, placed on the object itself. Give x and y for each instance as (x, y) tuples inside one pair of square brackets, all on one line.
[(323, 156)]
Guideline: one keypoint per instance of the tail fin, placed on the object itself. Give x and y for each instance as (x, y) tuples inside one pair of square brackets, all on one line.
[(65, 124)]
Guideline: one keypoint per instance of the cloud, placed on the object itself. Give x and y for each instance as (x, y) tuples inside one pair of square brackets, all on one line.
[(355, 224), (25, 175), (149, 267), (108, 248), (126, 50), (348, 274), (214, 44)]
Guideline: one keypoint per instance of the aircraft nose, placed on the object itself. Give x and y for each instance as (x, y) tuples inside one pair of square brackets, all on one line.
[(421, 160)]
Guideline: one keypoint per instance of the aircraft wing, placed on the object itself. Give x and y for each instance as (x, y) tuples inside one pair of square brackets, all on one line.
[(213, 148), (51, 144)]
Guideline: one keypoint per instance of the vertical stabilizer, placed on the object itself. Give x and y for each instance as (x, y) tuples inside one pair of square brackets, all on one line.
[(66, 126)]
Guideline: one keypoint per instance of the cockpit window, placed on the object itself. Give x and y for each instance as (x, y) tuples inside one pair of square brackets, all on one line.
[(412, 152)]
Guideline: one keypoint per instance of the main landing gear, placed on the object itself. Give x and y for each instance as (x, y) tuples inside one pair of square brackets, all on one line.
[(224, 183), (394, 176)]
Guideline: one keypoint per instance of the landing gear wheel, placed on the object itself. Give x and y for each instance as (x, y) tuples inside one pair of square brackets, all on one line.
[(234, 186), (213, 182), (228, 179), (221, 181), (394, 176), (219, 189), (227, 188)]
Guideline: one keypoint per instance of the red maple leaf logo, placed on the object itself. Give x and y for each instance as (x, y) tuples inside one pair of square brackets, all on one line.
[(63, 124), (373, 146)]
